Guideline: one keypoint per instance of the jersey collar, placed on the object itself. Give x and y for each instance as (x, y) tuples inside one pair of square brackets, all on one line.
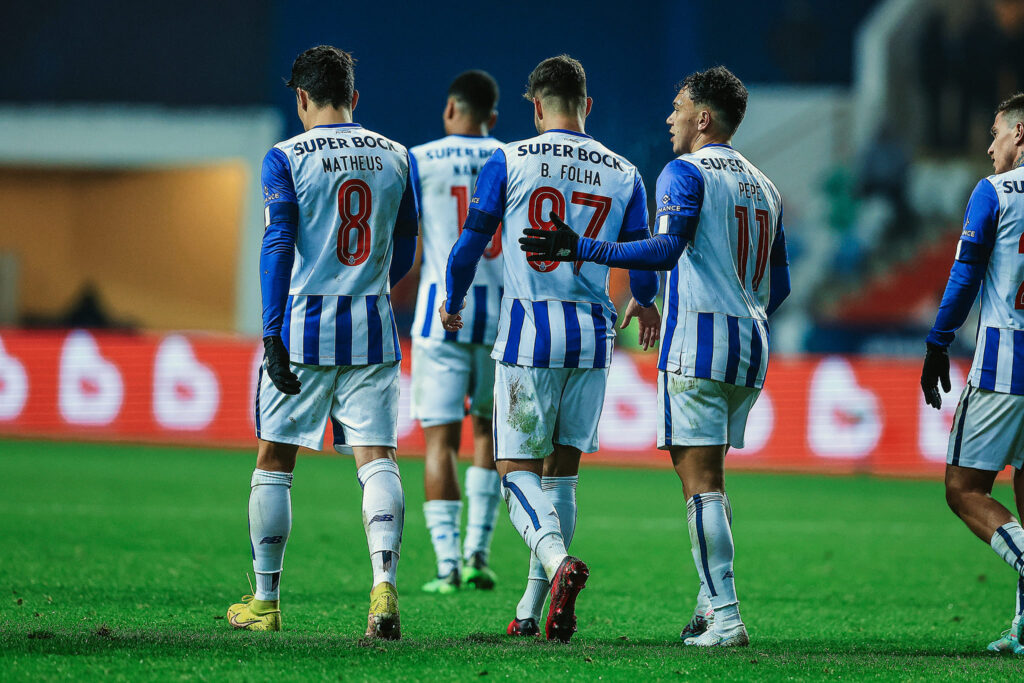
[(338, 125), (569, 132), (716, 144)]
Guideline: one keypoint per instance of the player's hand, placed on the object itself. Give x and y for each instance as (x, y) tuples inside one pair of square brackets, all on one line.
[(648, 320), (936, 368), (559, 244), (451, 322), (278, 370)]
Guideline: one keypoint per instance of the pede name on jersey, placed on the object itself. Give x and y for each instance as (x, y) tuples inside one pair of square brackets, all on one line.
[(350, 185), (559, 315), (715, 325), (444, 174), (997, 235)]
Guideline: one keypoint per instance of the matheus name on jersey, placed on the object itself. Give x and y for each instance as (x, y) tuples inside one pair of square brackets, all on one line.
[(351, 192), (715, 324), (559, 315), (444, 174)]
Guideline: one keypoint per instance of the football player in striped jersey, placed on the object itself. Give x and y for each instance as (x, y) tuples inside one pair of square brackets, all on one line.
[(719, 228), (340, 229), (449, 368), (988, 426), (556, 327)]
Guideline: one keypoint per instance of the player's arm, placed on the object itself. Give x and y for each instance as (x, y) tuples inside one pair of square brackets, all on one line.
[(778, 261), (406, 228), (965, 277), (681, 195), (277, 255), (643, 284), (485, 212)]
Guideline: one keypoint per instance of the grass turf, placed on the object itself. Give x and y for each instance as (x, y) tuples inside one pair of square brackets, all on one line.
[(119, 561)]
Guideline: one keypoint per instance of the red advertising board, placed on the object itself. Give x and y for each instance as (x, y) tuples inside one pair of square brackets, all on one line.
[(816, 413)]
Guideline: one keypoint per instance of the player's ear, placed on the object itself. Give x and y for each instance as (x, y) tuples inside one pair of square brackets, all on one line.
[(449, 109), (493, 121), (538, 109), (355, 100), (302, 99), (704, 120), (590, 105)]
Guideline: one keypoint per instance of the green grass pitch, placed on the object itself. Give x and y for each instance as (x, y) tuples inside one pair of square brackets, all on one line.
[(119, 562)]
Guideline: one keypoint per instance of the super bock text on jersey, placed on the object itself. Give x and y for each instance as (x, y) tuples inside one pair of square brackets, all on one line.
[(717, 298), (444, 174), (557, 315), (347, 190)]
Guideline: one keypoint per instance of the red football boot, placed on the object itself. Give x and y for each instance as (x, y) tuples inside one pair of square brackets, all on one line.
[(568, 581)]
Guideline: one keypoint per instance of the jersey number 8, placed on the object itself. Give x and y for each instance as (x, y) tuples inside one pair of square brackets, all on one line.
[(354, 231)]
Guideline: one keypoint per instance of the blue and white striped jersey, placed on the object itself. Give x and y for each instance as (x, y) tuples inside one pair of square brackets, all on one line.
[(994, 227), (715, 324), (348, 191), (444, 176), (558, 315)]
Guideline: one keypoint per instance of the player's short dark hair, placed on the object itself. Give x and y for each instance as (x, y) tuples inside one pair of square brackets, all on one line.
[(477, 92), (719, 89), (327, 74), (1012, 107), (562, 77)]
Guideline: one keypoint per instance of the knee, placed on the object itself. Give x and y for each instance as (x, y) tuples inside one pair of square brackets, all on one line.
[(954, 498)]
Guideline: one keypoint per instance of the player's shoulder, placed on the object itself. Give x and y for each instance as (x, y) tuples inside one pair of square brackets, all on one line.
[(436, 149), (1008, 182), (391, 144)]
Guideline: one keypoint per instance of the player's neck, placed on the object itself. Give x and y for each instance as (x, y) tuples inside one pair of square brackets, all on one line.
[(466, 129), (573, 123), (703, 140), (328, 116)]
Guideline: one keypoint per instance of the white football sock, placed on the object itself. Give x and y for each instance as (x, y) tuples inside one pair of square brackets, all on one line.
[(270, 522), (562, 492), (534, 517), (1008, 542), (709, 529), (483, 491), (443, 518), (383, 516), (703, 608)]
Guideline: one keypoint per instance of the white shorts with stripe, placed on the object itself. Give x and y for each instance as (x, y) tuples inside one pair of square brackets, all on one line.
[(702, 412), (988, 431), (444, 375), (360, 400), (535, 408)]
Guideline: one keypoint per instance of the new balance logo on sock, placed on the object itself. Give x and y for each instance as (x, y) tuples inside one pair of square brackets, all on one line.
[(727, 575), (383, 518), (271, 539)]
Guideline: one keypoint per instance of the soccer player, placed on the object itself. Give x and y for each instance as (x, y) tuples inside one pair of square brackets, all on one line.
[(449, 367), (341, 225), (719, 227), (556, 329), (988, 426)]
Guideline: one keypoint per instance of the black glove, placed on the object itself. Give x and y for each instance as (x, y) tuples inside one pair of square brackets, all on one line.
[(559, 244), (936, 367), (278, 370)]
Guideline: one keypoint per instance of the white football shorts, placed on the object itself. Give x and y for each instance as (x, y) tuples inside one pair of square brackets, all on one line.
[(444, 374), (535, 408), (988, 431), (360, 400), (702, 412)]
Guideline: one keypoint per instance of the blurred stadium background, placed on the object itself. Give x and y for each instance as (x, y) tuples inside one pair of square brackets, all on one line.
[(130, 145)]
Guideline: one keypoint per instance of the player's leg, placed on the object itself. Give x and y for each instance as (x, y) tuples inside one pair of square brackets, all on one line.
[(699, 427), (270, 510), (441, 373), (1011, 639), (559, 478), (442, 508), (987, 436), (365, 416), (524, 427), (483, 489)]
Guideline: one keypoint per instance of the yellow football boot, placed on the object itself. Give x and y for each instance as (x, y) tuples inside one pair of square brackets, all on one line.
[(255, 615), (383, 621)]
